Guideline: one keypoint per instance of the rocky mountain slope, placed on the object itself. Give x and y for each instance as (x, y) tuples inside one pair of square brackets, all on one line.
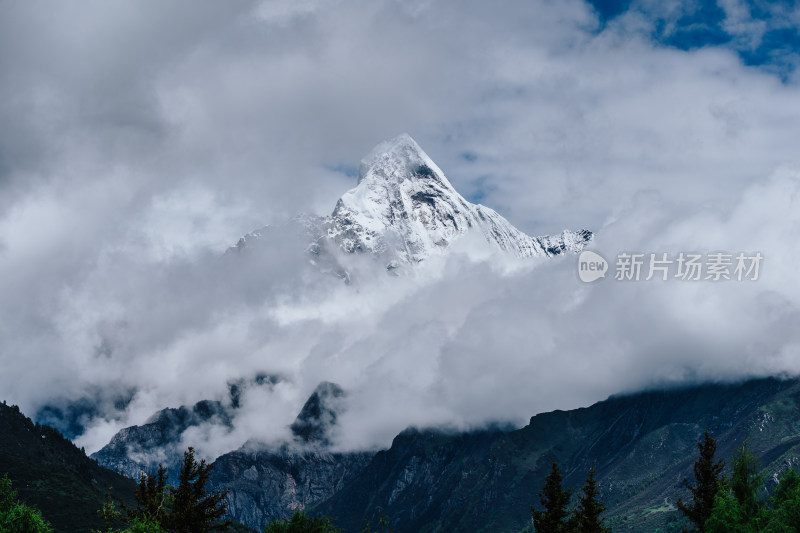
[(643, 446), (268, 484), (404, 210), (266, 481), (139, 449), (161, 439), (53, 475)]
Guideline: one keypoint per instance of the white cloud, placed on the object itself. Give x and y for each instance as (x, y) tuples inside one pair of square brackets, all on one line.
[(138, 143)]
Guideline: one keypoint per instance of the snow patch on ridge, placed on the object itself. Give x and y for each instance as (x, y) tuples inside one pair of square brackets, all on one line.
[(405, 210)]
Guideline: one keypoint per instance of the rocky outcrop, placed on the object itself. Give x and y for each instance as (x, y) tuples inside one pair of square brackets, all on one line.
[(404, 210), (643, 445), (269, 484)]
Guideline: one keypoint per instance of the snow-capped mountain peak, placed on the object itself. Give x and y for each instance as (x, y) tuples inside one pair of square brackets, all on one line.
[(404, 210), (398, 159), (405, 207)]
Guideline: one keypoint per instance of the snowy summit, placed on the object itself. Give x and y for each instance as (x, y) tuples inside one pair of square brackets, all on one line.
[(405, 209)]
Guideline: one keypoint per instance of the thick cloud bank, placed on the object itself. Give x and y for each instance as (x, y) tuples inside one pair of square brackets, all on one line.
[(138, 142)]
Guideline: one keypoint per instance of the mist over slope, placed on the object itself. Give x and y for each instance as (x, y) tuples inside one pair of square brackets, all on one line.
[(643, 445), (471, 334), (387, 239), (138, 144)]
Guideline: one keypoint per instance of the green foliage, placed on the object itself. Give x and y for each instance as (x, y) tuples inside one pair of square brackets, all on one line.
[(189, 508), (16, 517), (739, 510), (194, 509), (737, 507), (383, 525), (23, 519), (727, 516), (745, 480), (302, 523), (8, 496), (136, 525), (554, 517), (785, 505), (554, 499), (109, 513), (142, 525), (152, 497), (586, 518), (708, 479), (54, 476)]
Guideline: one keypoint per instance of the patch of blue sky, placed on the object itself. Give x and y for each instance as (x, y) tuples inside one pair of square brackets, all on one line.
[(348, 170), (763, 33), (477, 191)]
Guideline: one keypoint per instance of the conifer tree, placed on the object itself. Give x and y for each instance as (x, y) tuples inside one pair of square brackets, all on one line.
[(194, 510), (187, 508), (300, 522), (708, 479), (738, 508), (383, 524), (152, 496), (746, 479), (586, 518), (785, 508), (554, 499)]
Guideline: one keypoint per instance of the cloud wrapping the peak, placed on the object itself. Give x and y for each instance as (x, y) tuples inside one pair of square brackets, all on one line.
[(138, 142)]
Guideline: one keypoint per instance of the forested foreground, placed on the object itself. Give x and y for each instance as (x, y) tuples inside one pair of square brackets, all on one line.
[(716, 503), (642, 446), (160, 507)]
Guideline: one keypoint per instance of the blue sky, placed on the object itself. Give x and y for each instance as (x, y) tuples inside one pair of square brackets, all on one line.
[(139, 140), (762, 33)]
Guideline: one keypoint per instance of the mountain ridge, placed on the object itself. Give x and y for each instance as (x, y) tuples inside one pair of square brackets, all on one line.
[(643, 445), (267, 481), (55, 476), (404, 210)]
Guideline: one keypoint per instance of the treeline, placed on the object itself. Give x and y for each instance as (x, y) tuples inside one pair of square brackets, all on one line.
[(722, 504), (554, 516), (187, 507), (160, 507), (718, 503)]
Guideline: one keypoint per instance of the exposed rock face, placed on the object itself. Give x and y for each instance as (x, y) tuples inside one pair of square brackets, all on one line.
[(402, 211), (161, 439), (404, 205), (139, 449), (405, 210), (319, 414), (267, 484), (643, 445)]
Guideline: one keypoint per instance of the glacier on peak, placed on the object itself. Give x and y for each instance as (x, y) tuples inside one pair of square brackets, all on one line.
[(404, 210)]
